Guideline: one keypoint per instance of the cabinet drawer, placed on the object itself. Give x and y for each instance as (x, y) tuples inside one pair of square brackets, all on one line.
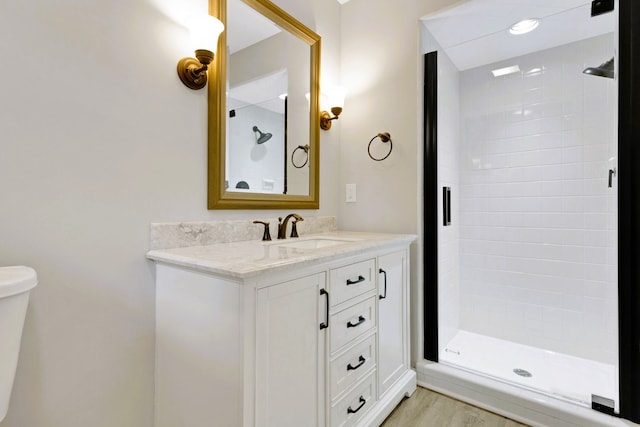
[(352, 322), (352, 366), (347, 411), (351, 280)]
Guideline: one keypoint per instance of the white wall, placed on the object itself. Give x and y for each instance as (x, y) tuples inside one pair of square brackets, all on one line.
[(538, 260), (382, 69), (98, 139), (380, 72)]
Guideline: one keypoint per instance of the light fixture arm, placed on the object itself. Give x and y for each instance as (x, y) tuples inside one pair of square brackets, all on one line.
[(192, 71), (325, 117)]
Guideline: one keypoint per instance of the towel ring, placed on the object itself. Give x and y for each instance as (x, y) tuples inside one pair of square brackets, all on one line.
[(306, 151), (384, 137)]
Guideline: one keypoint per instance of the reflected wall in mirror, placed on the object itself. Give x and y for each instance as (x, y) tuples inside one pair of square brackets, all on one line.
[(263, 106)]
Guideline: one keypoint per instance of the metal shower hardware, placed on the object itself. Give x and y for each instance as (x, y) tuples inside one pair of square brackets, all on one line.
[(262, 137), (612, 173), (446, 206), (603, 70)]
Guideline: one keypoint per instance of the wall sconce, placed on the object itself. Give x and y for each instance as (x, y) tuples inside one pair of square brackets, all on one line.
[(204, 31), (336, 100)]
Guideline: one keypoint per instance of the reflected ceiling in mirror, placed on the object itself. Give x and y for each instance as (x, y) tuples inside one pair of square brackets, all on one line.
[(263, 106)]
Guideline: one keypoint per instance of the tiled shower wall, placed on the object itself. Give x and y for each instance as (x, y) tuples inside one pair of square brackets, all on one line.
[(538, 221)]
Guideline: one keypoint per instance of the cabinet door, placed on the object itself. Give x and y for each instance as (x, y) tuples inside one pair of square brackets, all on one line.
[(393, 336), (290, 353)]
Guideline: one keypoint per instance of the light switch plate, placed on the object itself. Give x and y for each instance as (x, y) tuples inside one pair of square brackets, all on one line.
[(351, 193)]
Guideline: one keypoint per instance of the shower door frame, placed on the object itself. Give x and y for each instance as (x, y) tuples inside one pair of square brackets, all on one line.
[(430, 238), (628, 210)]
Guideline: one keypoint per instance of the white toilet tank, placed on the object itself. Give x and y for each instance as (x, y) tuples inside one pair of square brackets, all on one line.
[(15, 284)]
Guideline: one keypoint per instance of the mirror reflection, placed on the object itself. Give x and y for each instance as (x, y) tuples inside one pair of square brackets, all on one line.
[(267, 105)]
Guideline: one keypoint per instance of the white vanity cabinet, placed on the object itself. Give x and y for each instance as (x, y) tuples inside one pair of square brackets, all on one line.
[(323, 342), (290, 347), (393, 327), (234, 353)]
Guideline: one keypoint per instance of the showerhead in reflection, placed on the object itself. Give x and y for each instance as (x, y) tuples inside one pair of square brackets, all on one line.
[(262, 137), (603, 70)]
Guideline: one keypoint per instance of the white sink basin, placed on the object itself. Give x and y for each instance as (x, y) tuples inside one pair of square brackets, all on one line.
[(313, 243)]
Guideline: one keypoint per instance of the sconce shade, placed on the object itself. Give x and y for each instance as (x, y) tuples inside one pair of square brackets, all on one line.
[(336, 97), (204, 31)]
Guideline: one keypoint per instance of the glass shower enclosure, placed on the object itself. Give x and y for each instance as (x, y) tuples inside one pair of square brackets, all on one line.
[(523, 177)]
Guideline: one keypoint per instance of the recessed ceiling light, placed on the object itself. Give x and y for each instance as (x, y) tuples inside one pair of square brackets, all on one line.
[(524, 26), (506, 70)]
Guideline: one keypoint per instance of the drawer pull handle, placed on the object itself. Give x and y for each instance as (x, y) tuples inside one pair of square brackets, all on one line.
[(362, 403), (361, 320), (353, 282), (325, 325), (361, 359), (385, 284)]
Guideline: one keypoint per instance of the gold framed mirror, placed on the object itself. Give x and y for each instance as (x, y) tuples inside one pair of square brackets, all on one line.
[(248, 127)]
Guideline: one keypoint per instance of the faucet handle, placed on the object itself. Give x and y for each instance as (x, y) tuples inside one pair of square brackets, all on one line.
[(266, 236), (282, 231), (294, 228)]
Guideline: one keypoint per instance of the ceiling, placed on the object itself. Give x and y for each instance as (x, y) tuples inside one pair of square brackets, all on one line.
[(475, 32), (245, 26), (264, 92)]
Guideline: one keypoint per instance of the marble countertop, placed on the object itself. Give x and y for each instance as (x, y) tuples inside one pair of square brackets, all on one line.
[(249, 258)]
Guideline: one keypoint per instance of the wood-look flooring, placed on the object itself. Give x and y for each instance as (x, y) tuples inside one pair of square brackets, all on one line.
[(427, 408)]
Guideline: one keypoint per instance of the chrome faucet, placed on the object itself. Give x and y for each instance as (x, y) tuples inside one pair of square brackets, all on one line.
[(282, 225)]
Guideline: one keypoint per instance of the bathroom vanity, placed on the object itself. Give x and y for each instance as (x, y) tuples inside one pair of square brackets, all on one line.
[(298, 332)]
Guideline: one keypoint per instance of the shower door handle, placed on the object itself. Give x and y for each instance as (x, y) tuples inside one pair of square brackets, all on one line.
[(446, 206), (612, 173)]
